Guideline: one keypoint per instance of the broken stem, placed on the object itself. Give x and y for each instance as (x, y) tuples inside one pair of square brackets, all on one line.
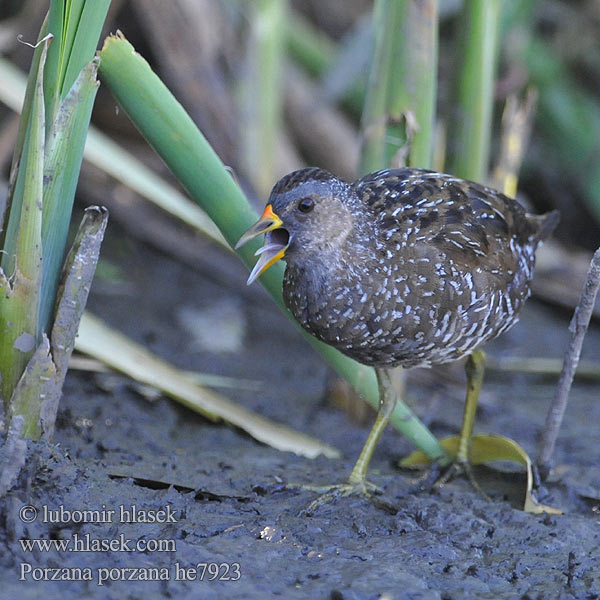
[(577, 328)]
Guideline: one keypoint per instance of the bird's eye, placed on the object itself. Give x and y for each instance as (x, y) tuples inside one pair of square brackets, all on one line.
[(306, 205)]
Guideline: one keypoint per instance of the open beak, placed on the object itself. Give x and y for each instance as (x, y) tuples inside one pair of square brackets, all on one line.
[(276, 243)]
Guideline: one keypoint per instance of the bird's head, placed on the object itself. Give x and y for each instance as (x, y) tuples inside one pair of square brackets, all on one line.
[(309, 214)]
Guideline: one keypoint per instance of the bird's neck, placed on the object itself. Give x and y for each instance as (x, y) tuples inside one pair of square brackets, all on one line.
[(341, 256), (315, 276)]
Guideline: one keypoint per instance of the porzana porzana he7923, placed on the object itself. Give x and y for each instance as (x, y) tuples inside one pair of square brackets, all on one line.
[(403, 267)]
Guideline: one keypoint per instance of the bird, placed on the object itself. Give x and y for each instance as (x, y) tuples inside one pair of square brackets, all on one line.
[(401, 268)]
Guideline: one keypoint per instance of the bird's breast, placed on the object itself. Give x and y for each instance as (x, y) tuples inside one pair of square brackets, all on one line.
[(416, 309)]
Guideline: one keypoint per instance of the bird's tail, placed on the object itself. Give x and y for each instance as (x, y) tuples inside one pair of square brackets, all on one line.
[(545, 224)]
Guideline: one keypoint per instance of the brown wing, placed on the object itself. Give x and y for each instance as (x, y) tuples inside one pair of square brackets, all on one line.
[(464, 252), (469, 224)]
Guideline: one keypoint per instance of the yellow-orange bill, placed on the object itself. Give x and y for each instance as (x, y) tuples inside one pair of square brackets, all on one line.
[(266, 259), (268, 221), (270, 252)]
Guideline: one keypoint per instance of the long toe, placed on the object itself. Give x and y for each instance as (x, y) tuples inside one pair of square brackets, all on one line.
[(459, 468), (330, 493)]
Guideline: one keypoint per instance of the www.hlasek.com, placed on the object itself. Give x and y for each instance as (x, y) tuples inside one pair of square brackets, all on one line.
[(86, 542)]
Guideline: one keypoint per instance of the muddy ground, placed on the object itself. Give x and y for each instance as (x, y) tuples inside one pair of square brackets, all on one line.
[(115, 448)]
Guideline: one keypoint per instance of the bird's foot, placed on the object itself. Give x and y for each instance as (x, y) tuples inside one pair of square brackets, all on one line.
[(353, 487), (457, 468)]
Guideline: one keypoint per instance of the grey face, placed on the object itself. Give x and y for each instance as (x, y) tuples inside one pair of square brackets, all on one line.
[(306, 216), (316, 217)]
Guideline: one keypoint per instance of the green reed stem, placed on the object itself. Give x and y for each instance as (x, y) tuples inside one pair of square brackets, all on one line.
[(471, 125)]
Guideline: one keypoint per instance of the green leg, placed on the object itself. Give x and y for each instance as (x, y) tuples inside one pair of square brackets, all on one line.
[(474, 369), (387, 403), (357, 482)]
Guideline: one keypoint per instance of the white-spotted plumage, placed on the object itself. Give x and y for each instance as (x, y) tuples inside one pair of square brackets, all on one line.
[(405, 267)]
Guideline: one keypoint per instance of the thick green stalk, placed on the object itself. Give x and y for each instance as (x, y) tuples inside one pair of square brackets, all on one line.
[(261, 97), (169, 129), (37, 394), (172, 133), (470, 127), (20, 287), (399, 110)]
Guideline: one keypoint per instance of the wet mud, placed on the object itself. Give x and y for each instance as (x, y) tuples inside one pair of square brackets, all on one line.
[(212, 516)]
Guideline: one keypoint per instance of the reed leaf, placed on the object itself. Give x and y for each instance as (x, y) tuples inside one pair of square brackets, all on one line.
[(35, 221), (76, 26), (64, 153), (21, 273), (114, 349)]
